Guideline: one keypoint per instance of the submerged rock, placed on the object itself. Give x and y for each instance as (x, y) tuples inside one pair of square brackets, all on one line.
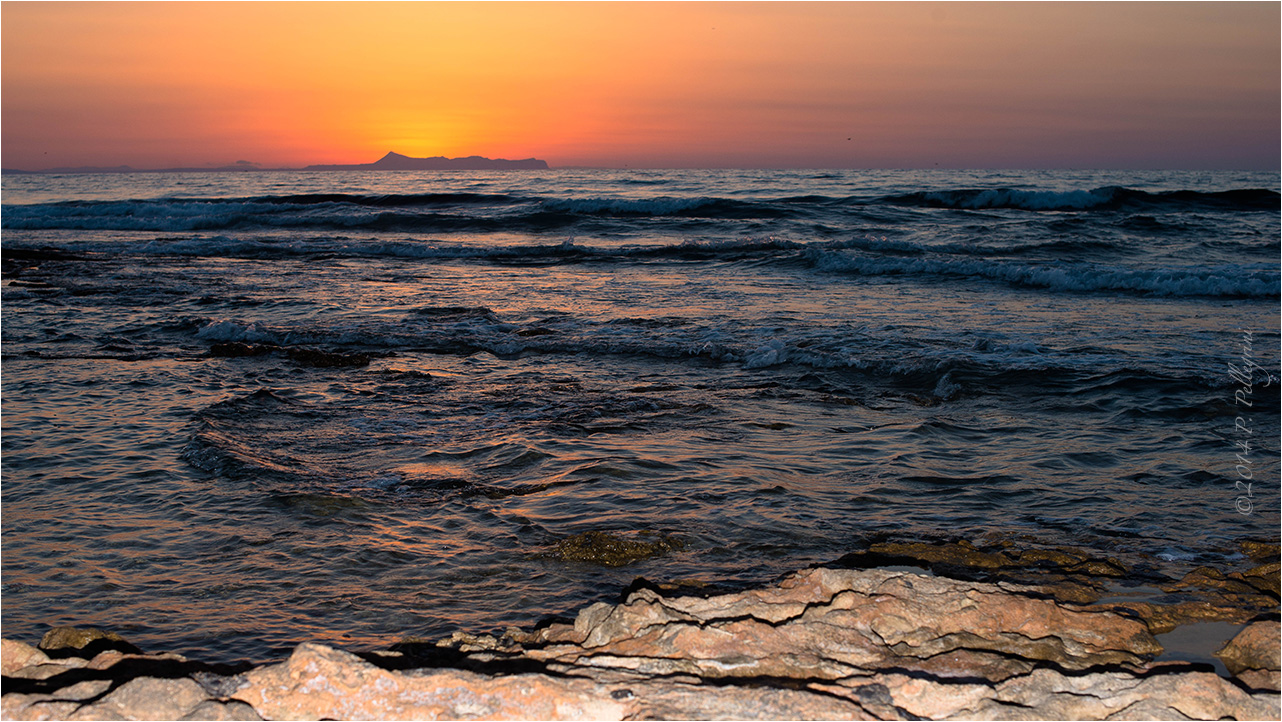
[(1264, 578), (964, 559), (1074, 576), (325, 359), (83, 641), (236, 349), (1261, 551), (612, 549)]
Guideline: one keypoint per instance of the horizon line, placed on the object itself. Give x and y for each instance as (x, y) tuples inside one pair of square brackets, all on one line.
[(246, 166), (232, 168)]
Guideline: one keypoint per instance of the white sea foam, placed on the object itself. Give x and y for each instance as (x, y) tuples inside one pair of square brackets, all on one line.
[(225, 330), (946, 389), (769, 354)]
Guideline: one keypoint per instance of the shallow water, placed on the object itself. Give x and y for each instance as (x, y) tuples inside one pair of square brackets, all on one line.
[(771, 367)]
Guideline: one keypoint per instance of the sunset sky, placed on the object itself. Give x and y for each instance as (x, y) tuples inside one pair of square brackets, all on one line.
[(856, 85)]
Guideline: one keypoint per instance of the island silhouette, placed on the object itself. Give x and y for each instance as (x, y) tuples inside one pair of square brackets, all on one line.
[(396, 161)]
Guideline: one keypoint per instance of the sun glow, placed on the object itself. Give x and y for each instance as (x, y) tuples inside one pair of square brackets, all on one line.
[(837, 84)]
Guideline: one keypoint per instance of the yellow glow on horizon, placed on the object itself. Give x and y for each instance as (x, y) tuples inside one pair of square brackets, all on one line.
[(646, 83)]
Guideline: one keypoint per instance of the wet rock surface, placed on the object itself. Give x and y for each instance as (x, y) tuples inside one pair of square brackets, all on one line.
[(93, 674), (831, 624), (1253, 655), (823, 643)]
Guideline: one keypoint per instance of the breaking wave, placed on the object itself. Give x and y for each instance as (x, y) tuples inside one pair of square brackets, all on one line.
[(449, 212), (1247, 280), (1108, 198)]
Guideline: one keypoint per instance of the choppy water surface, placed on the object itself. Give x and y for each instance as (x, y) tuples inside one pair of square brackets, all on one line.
[(768, 367)]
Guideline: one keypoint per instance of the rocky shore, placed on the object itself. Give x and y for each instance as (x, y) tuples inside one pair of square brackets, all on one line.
[(896, 631)]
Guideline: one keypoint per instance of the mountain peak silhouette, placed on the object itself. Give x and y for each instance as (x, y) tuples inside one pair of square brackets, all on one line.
[(397, 161)]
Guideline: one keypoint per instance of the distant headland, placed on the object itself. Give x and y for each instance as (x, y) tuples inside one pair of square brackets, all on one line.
[(396, 161), (391, 161)]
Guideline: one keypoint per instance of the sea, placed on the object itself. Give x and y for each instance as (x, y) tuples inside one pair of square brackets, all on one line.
[(242, 411)]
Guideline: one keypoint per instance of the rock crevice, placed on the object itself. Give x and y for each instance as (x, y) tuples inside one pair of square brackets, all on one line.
[(819, 644)]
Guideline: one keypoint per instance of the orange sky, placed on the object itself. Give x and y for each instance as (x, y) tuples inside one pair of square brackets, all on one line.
[(1099, 85)]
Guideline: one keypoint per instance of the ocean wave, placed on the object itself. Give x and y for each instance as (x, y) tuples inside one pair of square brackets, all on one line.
[(700, 207), (1251, 280), (465, 211), (1107, 198), (1062, 265), (961, 367), (407, 200), (185, 216), (567, 251), (215, 216), (1076, 248), (226, 331), (730, 249), (434, 212)]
